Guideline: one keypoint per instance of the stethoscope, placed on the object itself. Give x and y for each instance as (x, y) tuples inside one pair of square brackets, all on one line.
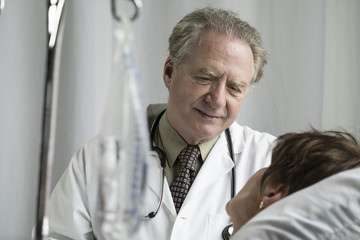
[(163, 159)]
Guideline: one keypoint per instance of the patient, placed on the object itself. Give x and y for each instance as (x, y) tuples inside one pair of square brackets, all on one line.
[(298, 161)]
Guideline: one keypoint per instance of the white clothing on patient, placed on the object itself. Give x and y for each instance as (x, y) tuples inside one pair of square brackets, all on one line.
[(329, 209)]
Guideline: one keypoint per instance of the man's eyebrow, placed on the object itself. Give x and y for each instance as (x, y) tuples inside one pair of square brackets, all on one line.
[(240, 84), (202, 71), (207, 72)]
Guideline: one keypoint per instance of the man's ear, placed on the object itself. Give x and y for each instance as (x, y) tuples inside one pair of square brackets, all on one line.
[(168, 71), (274, 193)]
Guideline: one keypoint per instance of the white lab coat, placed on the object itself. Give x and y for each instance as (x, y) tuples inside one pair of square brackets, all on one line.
[(203, 214)]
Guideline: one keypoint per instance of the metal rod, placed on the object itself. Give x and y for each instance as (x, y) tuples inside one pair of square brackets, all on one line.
[(2, 5), (56, 21)]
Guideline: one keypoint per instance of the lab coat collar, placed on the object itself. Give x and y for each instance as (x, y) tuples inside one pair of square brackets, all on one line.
[(154, 182), (238, 137), (217, 164)]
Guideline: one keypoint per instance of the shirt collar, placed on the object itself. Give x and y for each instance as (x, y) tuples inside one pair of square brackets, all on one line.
[(173, 143)]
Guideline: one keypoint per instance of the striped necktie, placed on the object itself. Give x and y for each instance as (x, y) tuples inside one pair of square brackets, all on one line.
[(181, 185)]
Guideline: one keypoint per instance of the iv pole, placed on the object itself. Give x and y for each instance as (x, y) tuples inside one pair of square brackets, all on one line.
[(55, 22)]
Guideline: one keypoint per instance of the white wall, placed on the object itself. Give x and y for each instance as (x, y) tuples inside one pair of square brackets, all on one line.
[(22, 72), (341, 66), (312, 78)]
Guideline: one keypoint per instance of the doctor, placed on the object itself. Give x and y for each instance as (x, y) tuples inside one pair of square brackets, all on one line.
[(214, 59)]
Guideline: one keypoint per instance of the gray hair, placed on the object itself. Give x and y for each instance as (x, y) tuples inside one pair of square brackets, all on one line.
[(187, 32)]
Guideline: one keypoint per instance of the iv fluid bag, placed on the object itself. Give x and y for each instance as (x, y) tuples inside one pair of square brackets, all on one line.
[(124, 144)]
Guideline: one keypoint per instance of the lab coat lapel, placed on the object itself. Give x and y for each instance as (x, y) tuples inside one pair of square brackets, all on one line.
[(217, 164)]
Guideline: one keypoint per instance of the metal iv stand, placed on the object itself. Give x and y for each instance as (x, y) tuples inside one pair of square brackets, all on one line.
[(55, 27), (56, 21)]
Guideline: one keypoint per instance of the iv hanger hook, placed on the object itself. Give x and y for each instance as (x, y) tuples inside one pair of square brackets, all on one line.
[(2, 5), (137, 4)]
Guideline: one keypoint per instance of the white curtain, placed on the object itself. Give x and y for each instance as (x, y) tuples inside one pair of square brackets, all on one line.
[(22, 65), (312, 78), (342, 66)]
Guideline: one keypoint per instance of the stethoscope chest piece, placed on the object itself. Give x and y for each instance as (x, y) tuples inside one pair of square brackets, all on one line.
[(226, 233)]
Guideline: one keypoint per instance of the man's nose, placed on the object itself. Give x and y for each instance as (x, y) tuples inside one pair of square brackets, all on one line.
[(217, 95)]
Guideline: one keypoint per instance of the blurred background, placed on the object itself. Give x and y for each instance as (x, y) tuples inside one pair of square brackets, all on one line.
[(312, 78)]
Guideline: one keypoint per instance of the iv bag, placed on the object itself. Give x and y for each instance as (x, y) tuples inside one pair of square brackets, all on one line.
[(124, 144)]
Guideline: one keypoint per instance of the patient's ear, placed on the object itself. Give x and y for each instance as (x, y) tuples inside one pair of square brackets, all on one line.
[(273, 194)]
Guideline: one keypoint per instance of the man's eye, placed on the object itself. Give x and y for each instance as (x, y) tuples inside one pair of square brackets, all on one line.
[(235, 89)]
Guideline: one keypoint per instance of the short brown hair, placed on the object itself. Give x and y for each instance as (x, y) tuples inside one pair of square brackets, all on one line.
[(302, 159)]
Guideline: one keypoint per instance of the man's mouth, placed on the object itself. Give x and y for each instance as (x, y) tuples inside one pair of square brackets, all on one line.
[(208, 115)]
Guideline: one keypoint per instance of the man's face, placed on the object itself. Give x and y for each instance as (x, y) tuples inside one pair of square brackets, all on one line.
[(206, 91), (246, 203)]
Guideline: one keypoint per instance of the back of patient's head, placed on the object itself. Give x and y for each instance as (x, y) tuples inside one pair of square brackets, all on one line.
[(302, 159)]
